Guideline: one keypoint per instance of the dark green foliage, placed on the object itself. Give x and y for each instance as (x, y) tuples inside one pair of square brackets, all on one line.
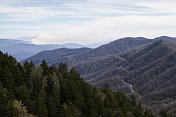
[(148, 113), (27, 74), (63, 69), (164, 114), (133, 99), (45, 69), (6, 105), (6, 78), (51, 92)]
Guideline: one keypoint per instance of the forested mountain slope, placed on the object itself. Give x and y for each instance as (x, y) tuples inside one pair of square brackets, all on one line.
[(56, 92), (153, 74), (150, 69)]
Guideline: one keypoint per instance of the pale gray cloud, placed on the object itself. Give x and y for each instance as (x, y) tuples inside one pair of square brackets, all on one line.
[(87, 22)]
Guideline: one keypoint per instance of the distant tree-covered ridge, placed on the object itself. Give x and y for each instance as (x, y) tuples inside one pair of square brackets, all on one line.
[(58, 92)]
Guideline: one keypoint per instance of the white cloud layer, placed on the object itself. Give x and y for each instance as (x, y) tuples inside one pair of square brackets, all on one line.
[(86, 22)]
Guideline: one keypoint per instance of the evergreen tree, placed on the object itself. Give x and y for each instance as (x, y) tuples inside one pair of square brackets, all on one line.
[(27, 74), (63, 69), (45, 69)]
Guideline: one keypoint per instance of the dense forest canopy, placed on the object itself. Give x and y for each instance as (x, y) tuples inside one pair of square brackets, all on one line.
[(43, 91)]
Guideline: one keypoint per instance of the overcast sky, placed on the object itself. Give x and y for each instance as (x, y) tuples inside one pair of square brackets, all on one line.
[(86, 21)]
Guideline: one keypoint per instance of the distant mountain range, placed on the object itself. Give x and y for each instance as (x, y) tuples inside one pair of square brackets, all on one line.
[(23, 49), (143, 67), (114, 47), (52, 55)]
